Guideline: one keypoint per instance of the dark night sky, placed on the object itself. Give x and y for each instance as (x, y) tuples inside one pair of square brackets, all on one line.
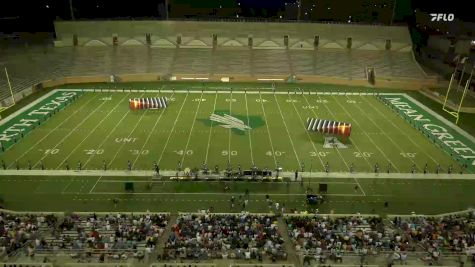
[(37, 15)]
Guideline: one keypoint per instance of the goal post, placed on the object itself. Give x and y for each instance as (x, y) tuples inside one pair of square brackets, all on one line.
[(454, 110), (11, 93)]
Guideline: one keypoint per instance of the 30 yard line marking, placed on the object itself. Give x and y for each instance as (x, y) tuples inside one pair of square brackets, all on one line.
[(71, 132), (249, 132), (130, 134), (90, 132), (308, 135), (210, 130), (150, 134), (108, 135), (268, 132), (287, 130), (369, 138), (51, 131), (316, 116), (173, 128), (191, 131), (399, 130)]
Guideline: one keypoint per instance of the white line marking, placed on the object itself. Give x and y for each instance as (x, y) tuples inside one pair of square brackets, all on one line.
[(173, 128), (268, 132), (51, 131), (191, 131), (90, 132), (308, 135), (287, 130), (210, 130), (249, 132), (71, 132), (149, 135), (92, 189), (230, 129)]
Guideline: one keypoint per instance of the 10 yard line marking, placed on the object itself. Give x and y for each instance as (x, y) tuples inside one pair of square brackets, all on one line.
[(210, 130), (173, 128), (249, 132), (89, 134), (191, 130), (133, 130), (410, 139), (71, 132), (268, 132), (150, 134), (308, 135), (51, 131), (287, 130)]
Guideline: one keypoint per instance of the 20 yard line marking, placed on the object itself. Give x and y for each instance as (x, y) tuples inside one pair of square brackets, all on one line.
[(268, 132), (71, 132), (173, 128), (108, 135), (249, 132), (150, 134), (210, 130), (51, 131), (191, 130), (90, 132), (287, 130), (308, 135)]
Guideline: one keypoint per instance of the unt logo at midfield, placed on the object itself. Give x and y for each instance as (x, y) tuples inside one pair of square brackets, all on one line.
[(230, 122)]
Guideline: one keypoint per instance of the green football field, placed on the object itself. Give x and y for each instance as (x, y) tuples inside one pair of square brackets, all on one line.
[(99, 129), (96, 129)]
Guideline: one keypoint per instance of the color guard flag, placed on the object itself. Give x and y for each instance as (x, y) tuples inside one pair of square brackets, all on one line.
[(329, 127)]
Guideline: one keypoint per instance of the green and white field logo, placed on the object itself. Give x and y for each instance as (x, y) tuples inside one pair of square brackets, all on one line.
[(230, 122)]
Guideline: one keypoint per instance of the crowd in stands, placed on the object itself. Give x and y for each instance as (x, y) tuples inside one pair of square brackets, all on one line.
[(239, 236)]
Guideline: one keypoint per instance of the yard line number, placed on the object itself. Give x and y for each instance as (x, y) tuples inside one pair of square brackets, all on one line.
[(319, 154), (227, 153), (276, 153), (408, 155), (182, 152), (363, 154), (94, 151)]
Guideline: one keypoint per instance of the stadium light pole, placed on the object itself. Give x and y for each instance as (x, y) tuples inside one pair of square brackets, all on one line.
[(71, 9), (394, 11), (9, 86)]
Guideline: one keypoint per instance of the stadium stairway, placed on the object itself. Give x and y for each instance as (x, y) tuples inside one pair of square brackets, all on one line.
[(163, 239), (289, 247)]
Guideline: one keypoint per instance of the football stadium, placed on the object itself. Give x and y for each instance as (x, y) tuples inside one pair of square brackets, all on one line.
[(237, 142)]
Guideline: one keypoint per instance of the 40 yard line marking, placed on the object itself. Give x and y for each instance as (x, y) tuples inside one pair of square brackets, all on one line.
[(287, 130), (308, 135), (173, 128), (108, 135), (150, 134), (268, 132), (210, 130), (71, 132), (51, 131), (191, 131), (90, 132), (249, 132)]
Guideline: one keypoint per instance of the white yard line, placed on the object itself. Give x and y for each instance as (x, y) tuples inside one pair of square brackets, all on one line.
[(149, 135), (405, 134), (130, 134), (249, 132), (316, 116), (191, 131), (268, 132), (369, 138), (173, 128), (71, 132), (90, 132), (308, 135), (287, 130), (230, 129), (387, 136), (92, 189), (51, 131), (210, 130), (218, 194)]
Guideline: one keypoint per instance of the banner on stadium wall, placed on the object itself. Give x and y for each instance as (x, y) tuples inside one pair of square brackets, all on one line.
[(12, 130), (457, 143)]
